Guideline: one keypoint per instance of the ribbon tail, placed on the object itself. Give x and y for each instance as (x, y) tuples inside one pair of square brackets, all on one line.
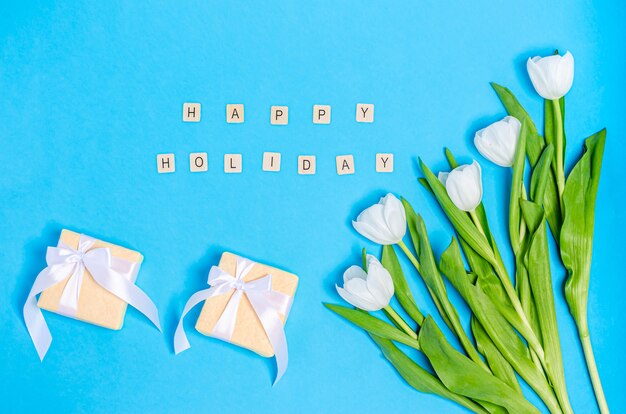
[(33, 317), (273, 326), (68, 303), (125, 290), (225, 325), (180, 338), (37, 326)]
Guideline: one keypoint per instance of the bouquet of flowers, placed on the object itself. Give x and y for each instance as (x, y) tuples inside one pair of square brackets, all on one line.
[(513, 327)]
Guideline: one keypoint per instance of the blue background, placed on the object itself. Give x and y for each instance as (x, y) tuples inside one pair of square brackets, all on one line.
[(90, 93)]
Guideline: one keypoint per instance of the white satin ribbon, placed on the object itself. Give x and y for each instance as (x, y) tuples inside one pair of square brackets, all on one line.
[(113, 274), (268, 304)]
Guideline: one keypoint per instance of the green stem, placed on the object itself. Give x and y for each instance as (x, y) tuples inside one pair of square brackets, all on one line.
[(559, 147), (446, 310), (532, 339), (522, 224), (410, 255), (399, 321), (477, 223), (585, 340)]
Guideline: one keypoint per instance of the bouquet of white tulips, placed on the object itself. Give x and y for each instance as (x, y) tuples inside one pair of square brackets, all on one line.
[(513, 326)]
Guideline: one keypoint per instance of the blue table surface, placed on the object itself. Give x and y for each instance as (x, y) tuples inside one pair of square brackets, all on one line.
[(90, 93)]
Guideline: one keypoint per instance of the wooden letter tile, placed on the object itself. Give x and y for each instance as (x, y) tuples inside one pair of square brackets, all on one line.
[(234, 113), (198, 162), (191, 112), (365, 112), (321, 114), (232, 163), (345, 164), (271, 161), (306, 164), (384, 163), (279, 115), (165, 163)]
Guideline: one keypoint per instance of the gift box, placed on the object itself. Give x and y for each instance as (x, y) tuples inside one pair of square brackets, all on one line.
[(248, 331), (247, 304), (89, 280), (95, 304)]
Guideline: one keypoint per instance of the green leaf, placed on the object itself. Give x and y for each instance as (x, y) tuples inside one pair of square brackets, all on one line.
[(540, 176), (419, 378), (579, 199), (497, 363), (431, 276), (373, 325), (451, 160), (538, 265), (401, 287), (463, 376), (460, 220), (497, 327), (534, 147), (411, 219), (491, 285), (425, 184), (517, 182), (515, 109)]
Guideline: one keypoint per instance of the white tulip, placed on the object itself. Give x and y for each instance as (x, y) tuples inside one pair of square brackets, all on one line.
[(498, 141), (464, 186), (369, 291), (552, 76), (383, 223)]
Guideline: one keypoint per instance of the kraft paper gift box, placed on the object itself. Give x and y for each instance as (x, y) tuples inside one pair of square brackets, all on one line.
[(248, 331), (96, 305), (86, 279)]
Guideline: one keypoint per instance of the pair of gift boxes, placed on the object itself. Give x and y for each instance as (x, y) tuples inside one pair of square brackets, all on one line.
[(246, 304)]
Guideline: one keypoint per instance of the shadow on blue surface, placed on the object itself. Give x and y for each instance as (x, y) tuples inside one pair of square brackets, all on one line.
[(35, 262)]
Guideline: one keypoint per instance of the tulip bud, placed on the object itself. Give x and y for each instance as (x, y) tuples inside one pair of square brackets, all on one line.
[(383, 223), (552, 76), (371, 290), (498, 141), (464, 186)]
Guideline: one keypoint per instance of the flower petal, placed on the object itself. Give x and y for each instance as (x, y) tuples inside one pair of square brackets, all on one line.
[(374, 225), (359, 288), (552, 76), (356, 301), (379, 282), (354, 272), (371, 233), (443, 177), (566, 73), (464, 186), (498, 141), (395, 218), (538, 78)]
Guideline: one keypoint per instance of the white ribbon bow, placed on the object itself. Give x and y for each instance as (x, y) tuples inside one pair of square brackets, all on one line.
[(112, 273), (268, 304)]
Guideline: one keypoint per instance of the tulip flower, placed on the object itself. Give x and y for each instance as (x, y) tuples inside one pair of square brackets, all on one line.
[(552, 76), (464, 186), (371, 290), (498, 141), (383, 223)]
